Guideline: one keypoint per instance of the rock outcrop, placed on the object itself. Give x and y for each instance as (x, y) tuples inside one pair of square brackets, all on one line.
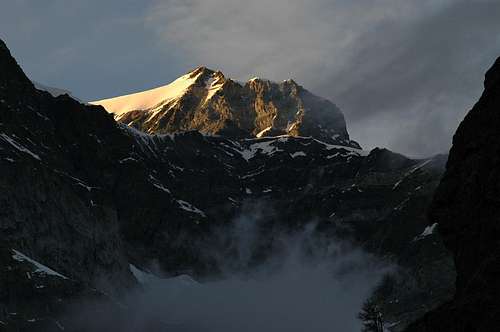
[(467, 210)]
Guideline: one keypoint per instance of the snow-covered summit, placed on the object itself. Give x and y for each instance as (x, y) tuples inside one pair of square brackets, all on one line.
[(150, 99), (207, 101)]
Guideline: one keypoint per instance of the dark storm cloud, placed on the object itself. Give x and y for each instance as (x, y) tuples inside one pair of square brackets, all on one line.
[(404, 72)]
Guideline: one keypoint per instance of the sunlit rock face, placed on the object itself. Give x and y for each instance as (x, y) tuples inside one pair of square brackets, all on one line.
[(207, 101)]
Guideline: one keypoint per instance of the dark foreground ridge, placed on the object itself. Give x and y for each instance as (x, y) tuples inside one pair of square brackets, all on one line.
[(467, 210), (83, 198)]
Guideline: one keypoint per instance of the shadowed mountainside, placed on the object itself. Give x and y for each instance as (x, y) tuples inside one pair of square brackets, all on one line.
[(467, 210), (85, 197)]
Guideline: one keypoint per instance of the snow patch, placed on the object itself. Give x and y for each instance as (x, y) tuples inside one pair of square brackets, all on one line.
[(410, 172), (298, 154), (156, 183), (213, 85), (124, 160), (190, 208), (150, 99), (402, 204), (351, 150), (429, 230), (146, 278), (266, 148), (40, 268), (141, 276), (77, 180), (261, 133), (18, 146), (252, 174), (333, 155), (146, 142)]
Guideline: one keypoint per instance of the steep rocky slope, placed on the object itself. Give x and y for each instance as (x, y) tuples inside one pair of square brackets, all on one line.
[(85, 197), (466, 208), (207, 101)]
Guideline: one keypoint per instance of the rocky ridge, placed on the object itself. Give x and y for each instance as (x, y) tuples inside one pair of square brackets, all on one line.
[(88, 197), (206, 101), (466, 210)]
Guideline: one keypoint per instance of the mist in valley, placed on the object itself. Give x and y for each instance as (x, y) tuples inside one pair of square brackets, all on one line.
[(309, 282)]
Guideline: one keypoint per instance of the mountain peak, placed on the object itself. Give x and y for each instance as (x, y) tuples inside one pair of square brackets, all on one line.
[(201, 70), (291, 82), (13, 82), (150, 100), (205, 100)]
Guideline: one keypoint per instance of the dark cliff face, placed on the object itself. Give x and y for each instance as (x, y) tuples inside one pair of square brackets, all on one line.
[(467, 209), (45, 210), (86, 197)]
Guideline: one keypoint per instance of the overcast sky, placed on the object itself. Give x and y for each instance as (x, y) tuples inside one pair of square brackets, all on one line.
[(404, 72)]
